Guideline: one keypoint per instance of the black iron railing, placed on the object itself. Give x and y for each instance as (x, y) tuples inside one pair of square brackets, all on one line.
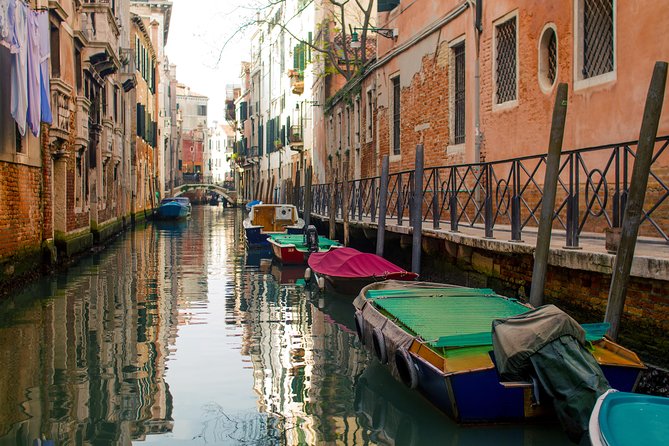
[(505, 196)]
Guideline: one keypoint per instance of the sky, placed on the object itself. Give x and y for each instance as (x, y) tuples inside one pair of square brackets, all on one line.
[(198, 29)]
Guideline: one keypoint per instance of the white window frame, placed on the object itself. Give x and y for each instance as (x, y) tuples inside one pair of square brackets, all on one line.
[(514, 102), (542, 68), (579, 82), (451, 93)]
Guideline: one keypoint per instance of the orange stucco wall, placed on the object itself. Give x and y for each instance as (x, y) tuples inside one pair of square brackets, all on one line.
[(606, 113)]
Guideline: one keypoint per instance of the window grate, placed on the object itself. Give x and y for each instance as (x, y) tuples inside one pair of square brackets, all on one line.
[(506, 61), (552, 57), (396, 115), (597, 37), (459, 54)]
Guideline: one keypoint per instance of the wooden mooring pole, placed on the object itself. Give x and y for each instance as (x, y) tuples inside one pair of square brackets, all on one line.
[(548, 200), (383, 204), (333, 208), (345, 203), (635, 199), (307, 197), (417, 211)]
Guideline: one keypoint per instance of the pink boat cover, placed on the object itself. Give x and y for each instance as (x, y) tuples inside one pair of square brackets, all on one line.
[(351, 263)]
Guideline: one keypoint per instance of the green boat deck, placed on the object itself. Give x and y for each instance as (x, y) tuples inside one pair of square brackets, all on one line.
[(324, 243), (453, 317)]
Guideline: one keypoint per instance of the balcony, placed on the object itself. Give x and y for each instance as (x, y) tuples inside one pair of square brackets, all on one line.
[(83, 108), (59, 132), (295, 136), (296, 82)]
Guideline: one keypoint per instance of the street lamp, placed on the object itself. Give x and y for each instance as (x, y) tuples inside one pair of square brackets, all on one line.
[(388, 33)]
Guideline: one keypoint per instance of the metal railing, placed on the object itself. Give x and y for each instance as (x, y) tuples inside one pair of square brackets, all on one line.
[(506, 196)]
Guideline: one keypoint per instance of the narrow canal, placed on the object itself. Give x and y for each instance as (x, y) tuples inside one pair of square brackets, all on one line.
[(176, 335)]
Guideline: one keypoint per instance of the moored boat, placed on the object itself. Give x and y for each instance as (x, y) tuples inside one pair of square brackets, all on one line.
[(347, 270), (293, 249), (627, 419), (174, 208), (437, 339), (266, 219)]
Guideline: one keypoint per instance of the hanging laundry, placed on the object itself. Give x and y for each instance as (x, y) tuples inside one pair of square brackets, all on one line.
[(34, 89), (18, 46), (45, 53)]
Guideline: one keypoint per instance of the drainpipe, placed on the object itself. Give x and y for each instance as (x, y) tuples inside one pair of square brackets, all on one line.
[(478, 29)]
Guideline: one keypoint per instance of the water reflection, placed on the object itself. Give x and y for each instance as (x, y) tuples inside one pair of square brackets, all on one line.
[(177, 335)]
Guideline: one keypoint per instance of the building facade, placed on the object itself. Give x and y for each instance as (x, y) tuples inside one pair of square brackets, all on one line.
[(480, 86), (80, 175)]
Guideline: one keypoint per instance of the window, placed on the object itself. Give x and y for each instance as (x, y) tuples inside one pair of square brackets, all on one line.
[(55, 51), (202, 110), (348, 127), (505, 61), (358, 124), (596, 38), (369, 116), (396, 115), (548, 58), (459, 93)]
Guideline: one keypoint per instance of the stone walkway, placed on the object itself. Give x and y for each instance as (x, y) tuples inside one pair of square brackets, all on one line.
[(651, 254)]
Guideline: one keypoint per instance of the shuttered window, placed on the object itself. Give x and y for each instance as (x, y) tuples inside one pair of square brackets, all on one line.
[(396, 115)]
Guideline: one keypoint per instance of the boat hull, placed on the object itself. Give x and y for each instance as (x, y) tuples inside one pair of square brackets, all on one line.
[(353, 285), (288, 255), (173, 211), (257, 238)]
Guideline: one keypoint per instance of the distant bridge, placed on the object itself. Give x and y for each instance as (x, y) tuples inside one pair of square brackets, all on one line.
[(229, 195)]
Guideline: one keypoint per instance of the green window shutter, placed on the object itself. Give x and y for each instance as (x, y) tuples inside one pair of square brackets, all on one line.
[(387, 5), (296, 57), (309, 47), (260, 140)]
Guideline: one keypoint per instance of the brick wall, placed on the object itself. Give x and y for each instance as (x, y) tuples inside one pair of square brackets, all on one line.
[(20, 211)]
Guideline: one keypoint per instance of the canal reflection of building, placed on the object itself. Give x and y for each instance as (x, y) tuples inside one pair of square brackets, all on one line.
[(84, 356), (304, 362)]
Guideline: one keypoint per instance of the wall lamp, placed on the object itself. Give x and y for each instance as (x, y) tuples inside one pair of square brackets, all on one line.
[(389, 33)]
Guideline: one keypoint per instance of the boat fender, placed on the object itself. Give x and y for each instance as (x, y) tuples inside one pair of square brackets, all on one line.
[(379, 342), (360, 327), (307, 274), (321, 283), (406, 368)]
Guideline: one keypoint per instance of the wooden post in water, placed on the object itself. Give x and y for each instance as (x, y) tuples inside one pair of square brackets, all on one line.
[(548, 200), (345, 203), (383, 205), (307, 197), (417, 211), (333, 207), (635, 199)]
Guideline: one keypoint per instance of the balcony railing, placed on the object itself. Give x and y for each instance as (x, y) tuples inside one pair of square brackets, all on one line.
[(505, 196), (295, 135)]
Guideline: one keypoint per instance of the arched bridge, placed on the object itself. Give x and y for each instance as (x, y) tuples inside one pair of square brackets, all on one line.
[(229, 195)]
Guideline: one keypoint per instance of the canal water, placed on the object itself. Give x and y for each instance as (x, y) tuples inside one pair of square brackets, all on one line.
[(175, 335)]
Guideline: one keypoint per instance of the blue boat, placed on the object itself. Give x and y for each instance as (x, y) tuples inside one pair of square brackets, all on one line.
[(174, 208), (266, 219), (437, 339), (622, 419)]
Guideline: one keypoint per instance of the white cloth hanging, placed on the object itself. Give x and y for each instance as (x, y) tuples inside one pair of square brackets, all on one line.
[(34, 113), (18, 46)]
